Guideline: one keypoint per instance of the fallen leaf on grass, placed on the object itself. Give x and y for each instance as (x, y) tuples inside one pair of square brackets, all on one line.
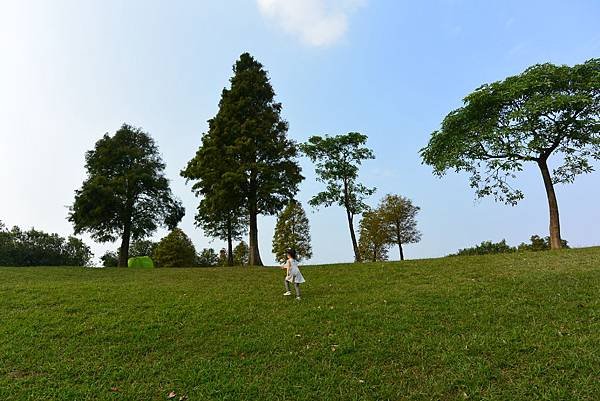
[(172, 395), (183, 398), (114, 389)]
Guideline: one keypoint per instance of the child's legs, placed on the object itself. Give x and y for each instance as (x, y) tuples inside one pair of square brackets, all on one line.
[(297, 288), (287, 285)]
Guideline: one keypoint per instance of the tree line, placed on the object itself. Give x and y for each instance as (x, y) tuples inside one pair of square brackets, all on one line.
[(36, 248), (246, 166), (536, 243)]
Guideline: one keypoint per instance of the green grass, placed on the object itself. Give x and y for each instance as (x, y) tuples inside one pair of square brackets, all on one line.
[(507, 327)]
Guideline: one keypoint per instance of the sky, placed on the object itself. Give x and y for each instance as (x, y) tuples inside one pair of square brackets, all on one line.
[(72, 70)]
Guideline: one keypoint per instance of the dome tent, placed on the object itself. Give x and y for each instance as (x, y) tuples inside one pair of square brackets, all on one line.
[(144, 262)]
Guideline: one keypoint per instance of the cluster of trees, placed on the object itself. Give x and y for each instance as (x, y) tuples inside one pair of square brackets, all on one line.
[(536, 243), (246, 166), (177, 250), (392, 222), (37, 248)]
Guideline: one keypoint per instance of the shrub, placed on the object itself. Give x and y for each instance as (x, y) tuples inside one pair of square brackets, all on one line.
[(486, 248), (175, 250), (540, 244)]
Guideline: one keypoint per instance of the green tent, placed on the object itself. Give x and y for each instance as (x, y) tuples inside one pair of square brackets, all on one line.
[(143, 262)]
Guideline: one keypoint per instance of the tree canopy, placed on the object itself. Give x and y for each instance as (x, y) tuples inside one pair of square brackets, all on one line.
[(399, 215), (126, 193), (246, 162), (292, 230), (337, 161), (175, 250), (526, 118), (375, 236), (37, 248)]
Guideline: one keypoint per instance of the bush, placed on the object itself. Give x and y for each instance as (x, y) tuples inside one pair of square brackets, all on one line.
[(175, 250), (110, 259), (487, 248), (540, 244)]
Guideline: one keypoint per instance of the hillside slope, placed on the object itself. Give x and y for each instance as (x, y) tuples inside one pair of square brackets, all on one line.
[(504, 327)]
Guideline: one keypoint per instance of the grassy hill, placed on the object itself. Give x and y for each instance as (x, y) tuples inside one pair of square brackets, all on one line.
[(505, 327)]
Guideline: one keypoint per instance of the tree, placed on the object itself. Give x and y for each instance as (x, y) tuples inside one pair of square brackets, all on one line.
[(527, 118), (223, 257), (375, 236), (208, 258), (37, 248), (142, 248), (399, 214), (292, 231), (175, 250), (125, 193), (245, 160), (110, 259), (240, 254), (218, 220), (337, 160)]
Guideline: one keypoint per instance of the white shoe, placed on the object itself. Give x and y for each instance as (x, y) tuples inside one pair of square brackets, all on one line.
[(297, 298), (288, 293)]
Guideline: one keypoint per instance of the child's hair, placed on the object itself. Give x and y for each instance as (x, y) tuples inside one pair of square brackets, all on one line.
[(291, 252)]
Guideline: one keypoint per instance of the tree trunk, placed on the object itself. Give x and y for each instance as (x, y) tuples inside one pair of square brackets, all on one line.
[(555, 240), (254, 257), (353, 237), (401, 250), (124, 249), (229, 246)]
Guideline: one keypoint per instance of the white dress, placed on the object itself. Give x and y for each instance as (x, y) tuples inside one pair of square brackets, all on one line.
[(294, 275)]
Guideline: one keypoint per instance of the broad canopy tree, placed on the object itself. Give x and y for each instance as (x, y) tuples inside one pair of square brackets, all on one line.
[(399, 215), (126, 194), (337, 160), (546, 110), (375, 236), (246, 162)]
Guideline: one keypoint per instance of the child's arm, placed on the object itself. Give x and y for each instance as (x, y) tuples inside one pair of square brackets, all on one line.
[(286, 265)]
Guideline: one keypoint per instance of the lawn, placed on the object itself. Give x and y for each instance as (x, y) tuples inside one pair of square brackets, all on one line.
[(522, 326)]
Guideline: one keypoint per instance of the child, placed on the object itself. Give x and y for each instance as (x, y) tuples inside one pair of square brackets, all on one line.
[(293, 274)]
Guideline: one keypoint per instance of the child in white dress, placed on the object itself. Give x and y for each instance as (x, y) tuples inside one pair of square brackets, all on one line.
[(293, 274)]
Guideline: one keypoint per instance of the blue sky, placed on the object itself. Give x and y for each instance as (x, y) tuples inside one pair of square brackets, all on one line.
[(73, 70)]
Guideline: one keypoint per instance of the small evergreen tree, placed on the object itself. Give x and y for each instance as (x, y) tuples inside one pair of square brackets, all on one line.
[(223, 257), (292, 231), (208, 258), (240, 254), (175, 250)]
